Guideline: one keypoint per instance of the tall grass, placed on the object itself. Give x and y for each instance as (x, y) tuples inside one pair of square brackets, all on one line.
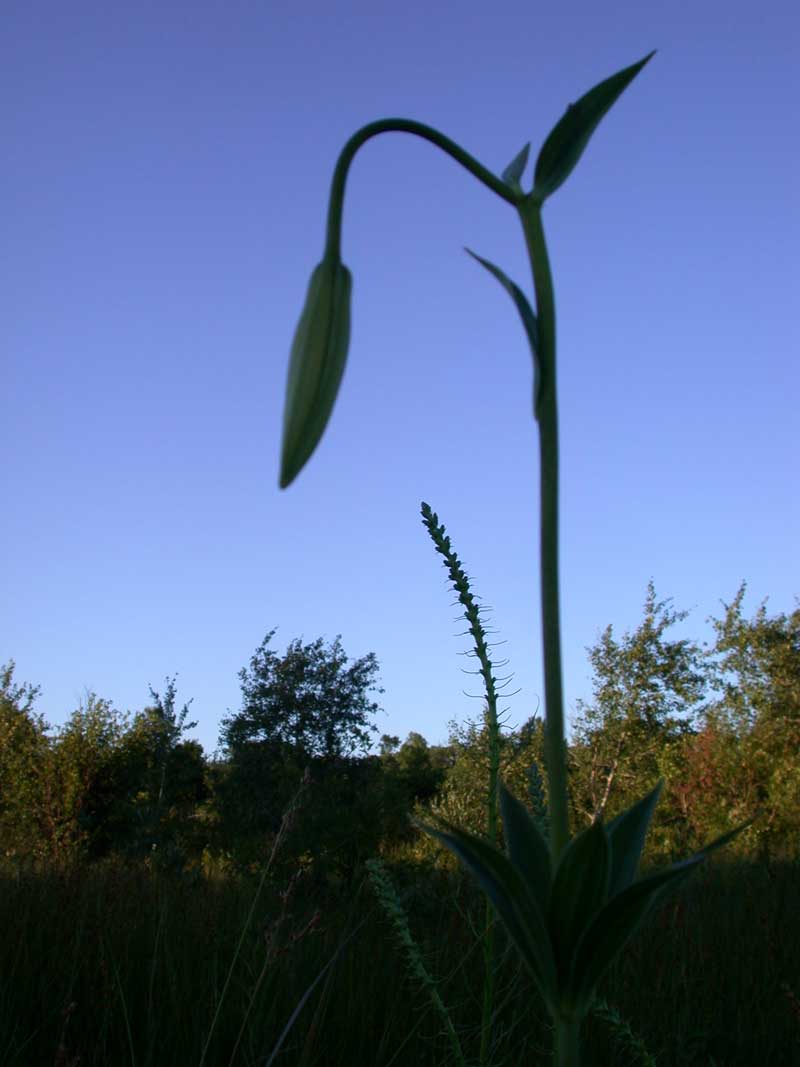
[(114, 965)]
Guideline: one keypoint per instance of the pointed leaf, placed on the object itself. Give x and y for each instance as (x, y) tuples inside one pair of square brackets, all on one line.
[(718, 842), (724, 839), (528, 321), (510, 898), (515, 169), (614, 924), (627, 833), (316, 365), (526, 847), (579, 890), (568, 138)]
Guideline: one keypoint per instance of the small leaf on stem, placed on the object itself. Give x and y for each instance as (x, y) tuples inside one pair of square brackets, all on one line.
[(515, 169), (528, 321)]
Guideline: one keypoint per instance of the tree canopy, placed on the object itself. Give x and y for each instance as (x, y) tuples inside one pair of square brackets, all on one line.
[(308, 699)]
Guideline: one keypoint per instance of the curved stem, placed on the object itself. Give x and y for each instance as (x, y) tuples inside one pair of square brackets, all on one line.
[(419, 129), (547, 417)]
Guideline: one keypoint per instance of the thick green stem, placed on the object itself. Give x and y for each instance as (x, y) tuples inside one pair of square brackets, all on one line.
[(567, 1048), (547, 417), (419, 129)]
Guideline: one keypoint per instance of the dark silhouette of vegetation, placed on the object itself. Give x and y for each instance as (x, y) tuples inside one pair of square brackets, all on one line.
[(720, 723), (108, 802)]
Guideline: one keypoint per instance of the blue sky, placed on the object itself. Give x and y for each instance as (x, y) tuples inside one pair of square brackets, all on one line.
[(165, 180)]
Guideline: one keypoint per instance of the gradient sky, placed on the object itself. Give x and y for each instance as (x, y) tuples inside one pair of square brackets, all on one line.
[(164, 187)]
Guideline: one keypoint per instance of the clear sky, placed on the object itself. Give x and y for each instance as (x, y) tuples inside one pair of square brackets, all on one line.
[(164, 187)]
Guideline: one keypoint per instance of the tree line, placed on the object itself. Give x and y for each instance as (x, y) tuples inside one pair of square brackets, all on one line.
[(720, 722)]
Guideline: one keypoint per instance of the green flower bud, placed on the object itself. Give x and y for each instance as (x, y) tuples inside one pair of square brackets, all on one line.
[(316, 365)]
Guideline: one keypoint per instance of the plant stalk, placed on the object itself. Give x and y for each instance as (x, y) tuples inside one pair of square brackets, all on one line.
[(567, 1052), (333, 237), (547, 418)]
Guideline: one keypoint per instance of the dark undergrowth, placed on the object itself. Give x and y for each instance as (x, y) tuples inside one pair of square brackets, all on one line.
[(116, 966)]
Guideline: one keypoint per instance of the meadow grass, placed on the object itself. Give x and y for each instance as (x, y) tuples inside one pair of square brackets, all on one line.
[(115, 965)]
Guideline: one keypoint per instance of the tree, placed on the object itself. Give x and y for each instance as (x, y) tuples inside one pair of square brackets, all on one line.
[(23, 744), (305, 709), (646, 691), (80, 785), (168, 776), (753, 765), (756, 666), (419, 768), (56, 793), (308, 699), (388, 746)]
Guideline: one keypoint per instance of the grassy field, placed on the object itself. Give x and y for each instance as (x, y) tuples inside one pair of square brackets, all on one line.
[(119, 967)]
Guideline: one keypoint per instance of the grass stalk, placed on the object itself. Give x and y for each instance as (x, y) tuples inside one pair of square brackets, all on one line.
[(622, 1033), (472, 612), (286, 824), (392, 906)]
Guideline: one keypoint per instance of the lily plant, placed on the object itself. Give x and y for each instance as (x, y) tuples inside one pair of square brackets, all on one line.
[(569, 904)]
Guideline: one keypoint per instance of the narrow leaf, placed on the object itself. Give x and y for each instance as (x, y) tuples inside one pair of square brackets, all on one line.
[(515, 169), (316, 365), (568, 138), (504, 887), (723, 839), (718, 842), (579, 890), (614, 925), (526, 847), (627, 833), (528, 321)]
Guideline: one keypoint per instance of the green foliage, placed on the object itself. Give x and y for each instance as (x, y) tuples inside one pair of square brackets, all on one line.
[(420, 768), (462, 796), (105, 783), (472, 613), (595, 903), (745, 759), (250, 789), (307, 699), (567, 140), (23, 747), (306, 709), (120, 965), (100, 784), (648, 689), (165, 777), (756, 666), (81, 781), (390, 902)]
